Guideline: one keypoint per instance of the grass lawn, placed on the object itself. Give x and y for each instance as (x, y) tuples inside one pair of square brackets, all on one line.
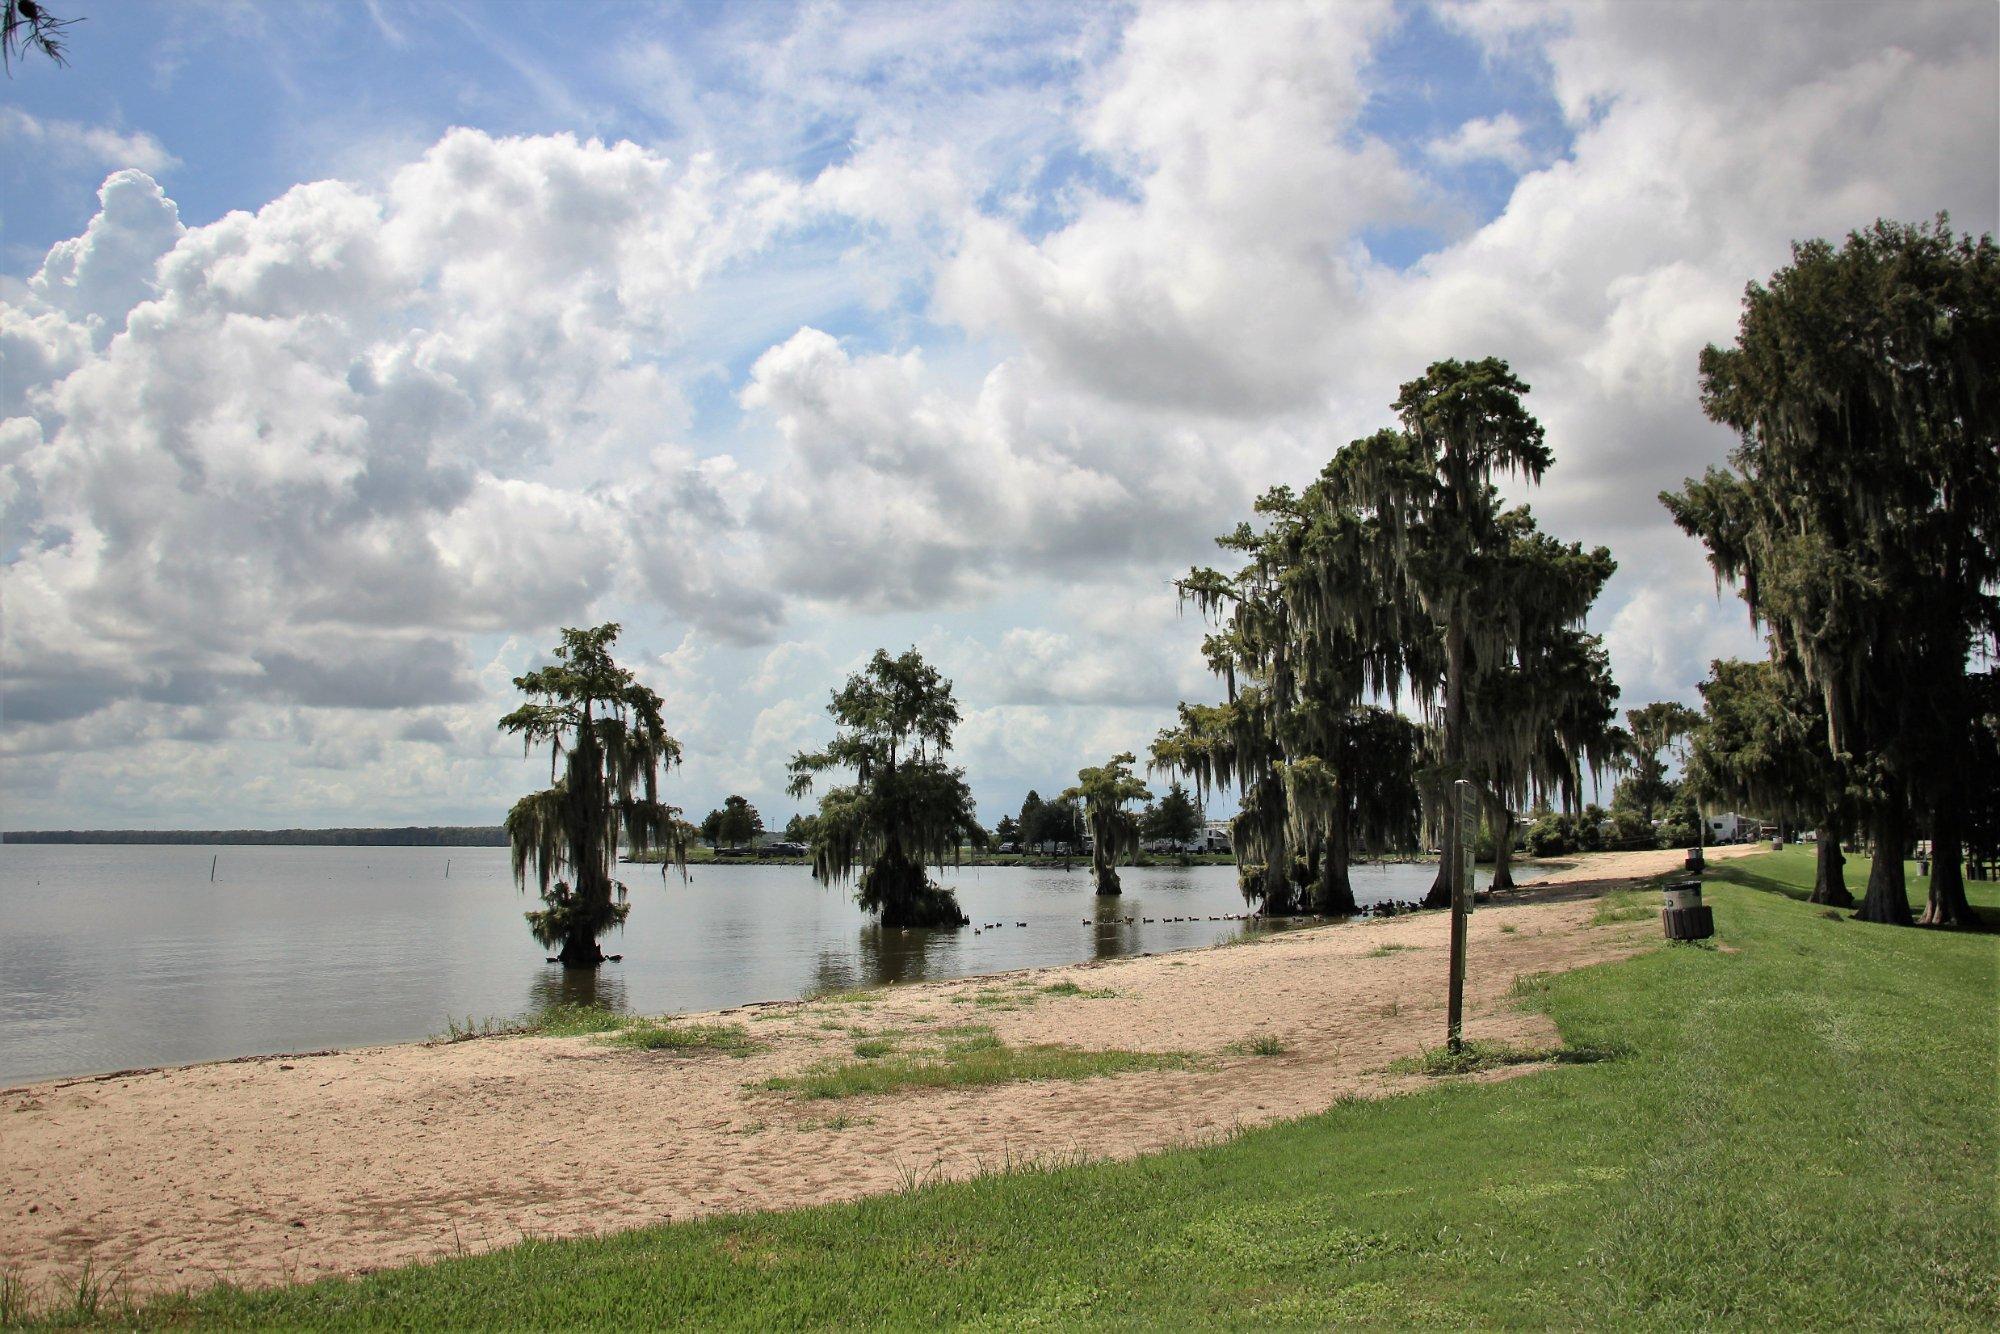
[(1797, 1129)]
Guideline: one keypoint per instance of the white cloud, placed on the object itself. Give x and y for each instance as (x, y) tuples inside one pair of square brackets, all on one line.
[(1219, 284), (294, 493), (430, 410), (78, 144), (1482, 139), (97, 278)]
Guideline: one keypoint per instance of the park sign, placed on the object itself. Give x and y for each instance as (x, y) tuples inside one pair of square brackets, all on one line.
[(1464, 812)]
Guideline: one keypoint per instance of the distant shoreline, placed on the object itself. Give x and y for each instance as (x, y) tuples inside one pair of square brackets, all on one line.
[(410, 836)]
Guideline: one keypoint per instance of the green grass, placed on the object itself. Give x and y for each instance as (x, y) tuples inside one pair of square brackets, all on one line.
[(1264, 1044), (553, 1021), (615, 1028), (1474, 1056), (1081, 992), (1626, 905), (1801, 1132), (863, 997), (1385, 950), (657, 1035), (963, 1057)]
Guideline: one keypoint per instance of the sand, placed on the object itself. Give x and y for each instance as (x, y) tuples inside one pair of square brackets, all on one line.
[(287, 1168)]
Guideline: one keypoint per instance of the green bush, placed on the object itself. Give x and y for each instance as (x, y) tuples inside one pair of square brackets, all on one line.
[(1552, 835)]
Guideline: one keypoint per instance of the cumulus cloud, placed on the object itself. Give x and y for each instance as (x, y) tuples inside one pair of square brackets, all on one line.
[(1213, 281), (1064, 294), (898, 489), (352, 416), (70, 141)]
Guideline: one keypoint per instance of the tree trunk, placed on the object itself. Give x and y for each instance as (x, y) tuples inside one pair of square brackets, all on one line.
[(1334, 895), (1454, 760), (1888, 897), (1503, 852), (1947, 905), (592, 907), (1829, 879)]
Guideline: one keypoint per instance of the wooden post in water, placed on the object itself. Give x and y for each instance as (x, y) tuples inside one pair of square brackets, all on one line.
[(211, 867), (1464, 813)]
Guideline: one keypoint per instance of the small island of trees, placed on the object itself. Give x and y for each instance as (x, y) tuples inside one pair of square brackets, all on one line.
[(907, 808)]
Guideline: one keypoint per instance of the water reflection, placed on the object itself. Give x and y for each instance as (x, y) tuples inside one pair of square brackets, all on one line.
[(1116, 931), (552, 986), (916, 955)]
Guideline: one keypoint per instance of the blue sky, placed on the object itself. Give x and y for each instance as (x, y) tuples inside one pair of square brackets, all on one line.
[(350, 349)]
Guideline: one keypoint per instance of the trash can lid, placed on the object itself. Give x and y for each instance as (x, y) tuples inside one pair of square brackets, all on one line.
[(1684, 887)]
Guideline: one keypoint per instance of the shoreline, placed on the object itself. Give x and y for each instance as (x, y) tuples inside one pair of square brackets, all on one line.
[(271, 1169), (1559, 870)]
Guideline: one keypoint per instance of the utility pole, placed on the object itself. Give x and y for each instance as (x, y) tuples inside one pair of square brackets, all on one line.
[(1464, 817)]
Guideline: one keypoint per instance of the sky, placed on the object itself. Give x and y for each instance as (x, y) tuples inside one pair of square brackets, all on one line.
[(348, 351)]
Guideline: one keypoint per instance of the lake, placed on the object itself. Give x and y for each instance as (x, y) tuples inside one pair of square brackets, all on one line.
[(116, 956)]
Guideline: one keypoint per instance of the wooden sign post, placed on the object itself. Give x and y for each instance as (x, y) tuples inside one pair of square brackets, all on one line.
[(1464, 813)]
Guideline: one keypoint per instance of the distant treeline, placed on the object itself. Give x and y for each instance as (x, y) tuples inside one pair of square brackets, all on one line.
[(435, 836)]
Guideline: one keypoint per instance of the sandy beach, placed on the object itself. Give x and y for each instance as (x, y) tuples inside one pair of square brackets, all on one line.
[(285, 1168)]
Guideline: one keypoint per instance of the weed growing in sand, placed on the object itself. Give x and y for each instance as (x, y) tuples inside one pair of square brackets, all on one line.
[(554, 1021), (870, 1048), (841, 1121), (489, 1027), (1081, 993), (566, 1021), (1383, 951), (967, 1055), (86, 1300), (1264, 1044), (655, 1035), (858, 996), (1508, 928)]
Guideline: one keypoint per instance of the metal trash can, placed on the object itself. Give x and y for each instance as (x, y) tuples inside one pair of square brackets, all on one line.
[(1696, 863), (1685, 916)]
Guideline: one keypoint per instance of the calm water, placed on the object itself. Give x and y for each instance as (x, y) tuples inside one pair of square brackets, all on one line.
[(121, 956)]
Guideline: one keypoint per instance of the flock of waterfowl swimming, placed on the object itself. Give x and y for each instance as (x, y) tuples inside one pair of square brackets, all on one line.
[(1148, 921)]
